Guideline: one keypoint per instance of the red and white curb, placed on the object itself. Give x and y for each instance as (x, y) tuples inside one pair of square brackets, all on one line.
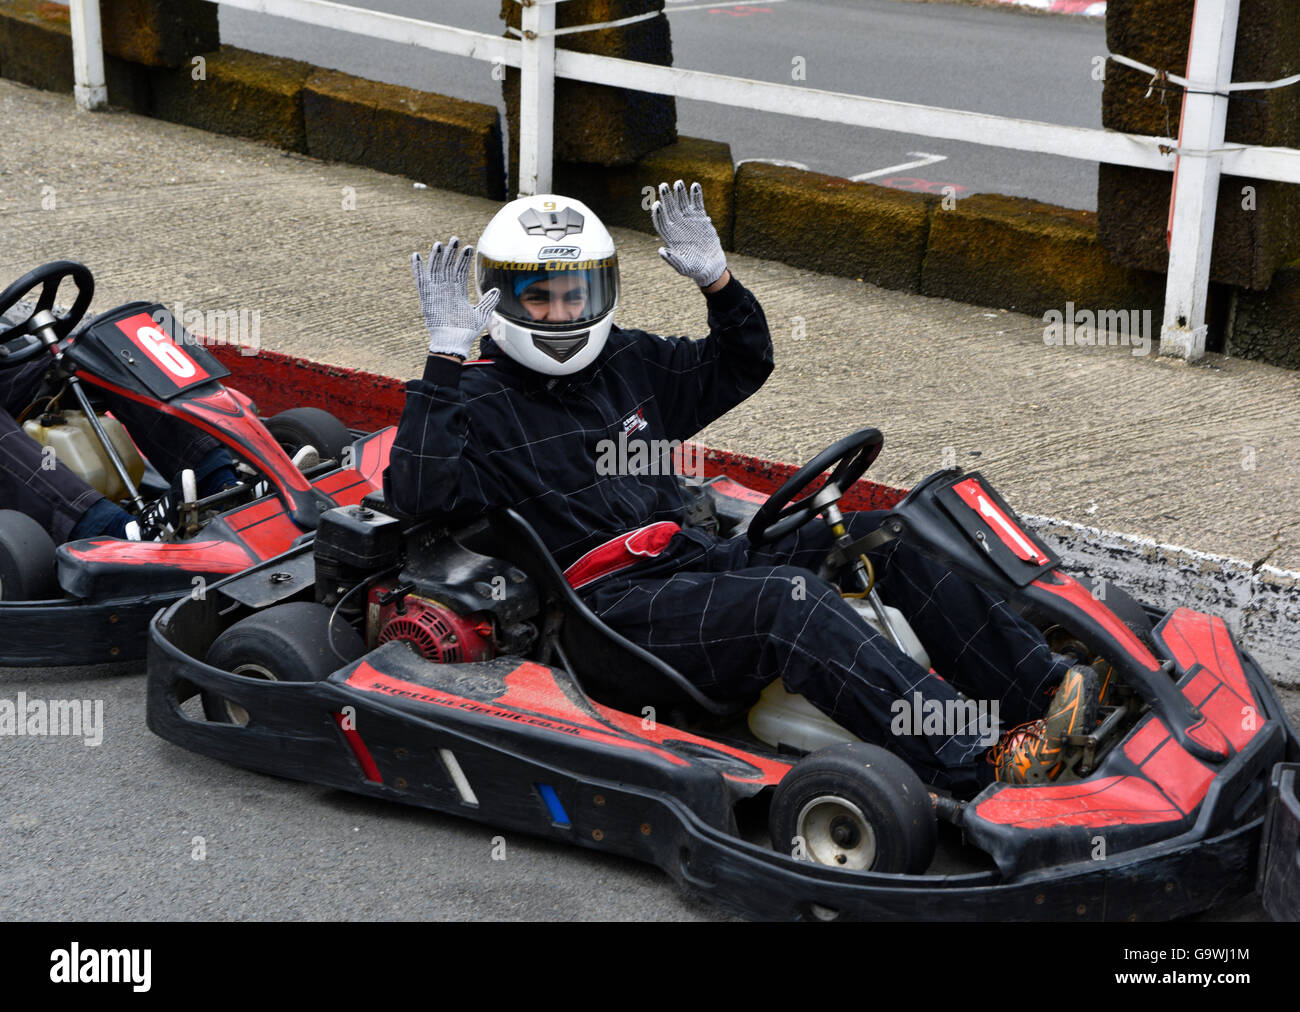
[(1091, 8)]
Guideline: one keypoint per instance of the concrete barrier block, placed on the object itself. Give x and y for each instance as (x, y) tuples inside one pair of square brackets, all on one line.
[(595, 124), (444, 142), (1133, 204), (240, 93), (159, 33), (832, 225), (619, 195), (1019, 254), (1254, 228), (1155, 32), (1266, 325), (1158, 32), (36, 49)]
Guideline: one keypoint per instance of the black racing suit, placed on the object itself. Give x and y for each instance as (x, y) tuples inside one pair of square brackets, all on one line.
[(728, 616)]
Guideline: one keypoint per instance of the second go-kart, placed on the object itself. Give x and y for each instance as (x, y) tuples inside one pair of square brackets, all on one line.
[(458, 670), (88, 601)]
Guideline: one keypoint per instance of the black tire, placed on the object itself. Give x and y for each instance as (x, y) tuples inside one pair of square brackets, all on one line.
[(856, 807), (295, 428), (27, 566), (284, 643)]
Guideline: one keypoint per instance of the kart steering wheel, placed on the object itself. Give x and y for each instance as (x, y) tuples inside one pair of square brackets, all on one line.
[(850, 456), (49, 277)]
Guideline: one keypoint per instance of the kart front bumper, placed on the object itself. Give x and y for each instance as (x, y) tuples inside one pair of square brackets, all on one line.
[(67, 633)]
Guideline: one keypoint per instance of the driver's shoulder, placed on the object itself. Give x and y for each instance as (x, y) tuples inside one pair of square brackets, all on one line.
[(631, 336), (626, 347)]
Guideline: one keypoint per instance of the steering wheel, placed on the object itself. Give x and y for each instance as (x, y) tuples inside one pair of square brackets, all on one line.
[(850, 457), (49, 278)]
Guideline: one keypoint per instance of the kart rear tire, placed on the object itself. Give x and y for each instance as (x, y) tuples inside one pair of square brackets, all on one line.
[(857, 807), (27, 564), (284, 643), (295, 428)]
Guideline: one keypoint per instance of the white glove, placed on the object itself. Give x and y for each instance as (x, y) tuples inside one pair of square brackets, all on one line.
[(691, 244), (443, 283)]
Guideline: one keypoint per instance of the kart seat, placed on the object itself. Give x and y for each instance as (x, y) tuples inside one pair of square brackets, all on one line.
[(610, 668)]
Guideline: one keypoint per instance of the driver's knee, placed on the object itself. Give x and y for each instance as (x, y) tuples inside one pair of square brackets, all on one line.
[(808, 545), (798, 604), (860, 523), (786, 595)]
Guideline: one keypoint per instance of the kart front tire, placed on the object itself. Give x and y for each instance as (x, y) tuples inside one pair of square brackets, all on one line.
[(27, 562), (298, 427), (856, 807), (284, 643)]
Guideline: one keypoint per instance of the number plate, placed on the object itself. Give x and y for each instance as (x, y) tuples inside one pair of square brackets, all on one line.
[(158, 353)]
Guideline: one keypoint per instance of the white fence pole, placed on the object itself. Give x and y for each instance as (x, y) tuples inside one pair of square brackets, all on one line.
[(536, 97), (91, 89), (1196, 177)]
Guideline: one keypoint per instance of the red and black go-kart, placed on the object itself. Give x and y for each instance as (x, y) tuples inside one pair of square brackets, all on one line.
[(457, 670), (107, 588)]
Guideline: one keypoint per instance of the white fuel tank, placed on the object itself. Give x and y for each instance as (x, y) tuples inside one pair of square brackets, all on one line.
[(70, 435)]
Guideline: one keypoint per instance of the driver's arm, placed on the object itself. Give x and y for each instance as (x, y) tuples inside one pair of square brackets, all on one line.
[(432, 466), (696, 382)]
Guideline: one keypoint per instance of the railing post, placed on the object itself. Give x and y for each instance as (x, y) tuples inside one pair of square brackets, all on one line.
[(91, 89), (536, 97), (1196, 178)]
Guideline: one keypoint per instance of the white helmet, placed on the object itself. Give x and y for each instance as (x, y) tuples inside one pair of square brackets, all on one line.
[(555, 265)]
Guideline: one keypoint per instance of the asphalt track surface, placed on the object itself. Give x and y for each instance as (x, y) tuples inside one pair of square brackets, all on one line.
[(114, 832), (1002, 61)]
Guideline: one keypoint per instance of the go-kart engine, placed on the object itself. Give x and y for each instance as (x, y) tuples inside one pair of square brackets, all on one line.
[(434, 631), (449, 603)]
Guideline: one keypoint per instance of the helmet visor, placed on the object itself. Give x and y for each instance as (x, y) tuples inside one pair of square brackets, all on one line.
[(551, 294)]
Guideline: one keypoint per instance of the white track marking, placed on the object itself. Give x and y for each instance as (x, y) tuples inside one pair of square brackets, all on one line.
[(922, 160), (671, 7), (773, 161)]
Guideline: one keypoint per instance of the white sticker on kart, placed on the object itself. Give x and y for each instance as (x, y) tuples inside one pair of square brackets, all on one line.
[(165, 353), (974, 496)]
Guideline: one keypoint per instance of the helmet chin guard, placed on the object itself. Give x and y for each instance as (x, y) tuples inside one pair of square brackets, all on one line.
[(556, 268), (549, 352)]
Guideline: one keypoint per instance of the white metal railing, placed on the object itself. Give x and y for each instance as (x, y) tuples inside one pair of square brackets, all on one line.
[(1198, 157)]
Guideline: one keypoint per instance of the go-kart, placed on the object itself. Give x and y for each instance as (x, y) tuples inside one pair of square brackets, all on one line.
[(451, 665), (107, 588)]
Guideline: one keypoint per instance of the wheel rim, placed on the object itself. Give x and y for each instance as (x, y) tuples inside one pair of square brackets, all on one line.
[(236, 713), (836, 833)]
